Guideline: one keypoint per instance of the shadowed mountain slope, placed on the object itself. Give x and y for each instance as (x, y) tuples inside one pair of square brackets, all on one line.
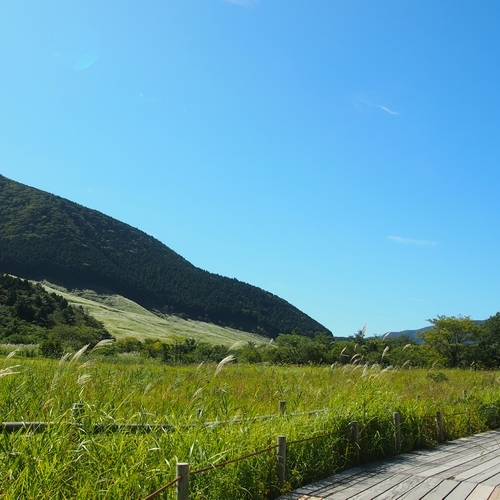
[(43, 236)]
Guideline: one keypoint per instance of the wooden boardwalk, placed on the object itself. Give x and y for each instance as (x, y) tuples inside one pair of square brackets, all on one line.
[(468, 468)]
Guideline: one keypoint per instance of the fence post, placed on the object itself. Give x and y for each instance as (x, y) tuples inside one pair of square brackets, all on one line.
[(281, 458), (282, 407), (439, 427), (183, 483), (397, 431), (355, 438)]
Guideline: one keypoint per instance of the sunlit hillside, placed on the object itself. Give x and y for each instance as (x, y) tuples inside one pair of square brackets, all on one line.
[(123, 318)]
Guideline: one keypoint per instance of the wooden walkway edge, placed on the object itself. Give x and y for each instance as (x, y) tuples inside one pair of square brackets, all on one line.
[(468, 468)]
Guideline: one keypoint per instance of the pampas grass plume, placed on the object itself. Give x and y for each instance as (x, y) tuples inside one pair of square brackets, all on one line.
[(77, 354), (224, 362)]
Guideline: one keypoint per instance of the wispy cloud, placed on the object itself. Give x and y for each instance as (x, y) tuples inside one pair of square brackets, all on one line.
[(387, 110), (379, 106), (409, 241)]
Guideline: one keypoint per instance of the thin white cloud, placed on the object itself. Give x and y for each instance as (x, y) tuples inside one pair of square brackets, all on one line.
[(379, 106), (408, 241), (387, 110)]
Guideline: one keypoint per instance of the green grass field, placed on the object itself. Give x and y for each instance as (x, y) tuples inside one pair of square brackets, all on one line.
[(125, 318), (67, 461)]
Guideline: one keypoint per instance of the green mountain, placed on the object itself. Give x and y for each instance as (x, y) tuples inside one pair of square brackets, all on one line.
[(43, 236)]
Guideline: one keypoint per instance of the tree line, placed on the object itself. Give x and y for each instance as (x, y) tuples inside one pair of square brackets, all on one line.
[(29, 315), (453, 342)]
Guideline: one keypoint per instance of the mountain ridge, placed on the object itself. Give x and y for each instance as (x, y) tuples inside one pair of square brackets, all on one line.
[(44, 236)]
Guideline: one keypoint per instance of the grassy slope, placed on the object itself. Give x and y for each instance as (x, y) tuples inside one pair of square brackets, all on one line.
[(125, 318)]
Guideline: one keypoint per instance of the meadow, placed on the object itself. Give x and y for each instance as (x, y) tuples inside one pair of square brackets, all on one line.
[(213, 416), (123, 317)]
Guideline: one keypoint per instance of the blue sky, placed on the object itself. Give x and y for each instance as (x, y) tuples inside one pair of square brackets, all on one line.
[(343, 155)]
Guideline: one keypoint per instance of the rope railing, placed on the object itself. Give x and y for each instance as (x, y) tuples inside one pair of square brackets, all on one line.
[(163, 488), (233, 460), (77, 412), (281, 447)]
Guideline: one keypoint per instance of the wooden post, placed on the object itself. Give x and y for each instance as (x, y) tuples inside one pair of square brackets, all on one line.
[(439, 427), (183, 483), (282, 407), (397, 431), (281, 458), (355, 439)]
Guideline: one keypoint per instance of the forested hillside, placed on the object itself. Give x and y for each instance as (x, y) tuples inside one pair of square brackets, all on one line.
[(30, 315), (43, 236)]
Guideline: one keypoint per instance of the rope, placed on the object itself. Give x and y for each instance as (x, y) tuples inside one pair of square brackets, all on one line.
[(223, 464), (303, 440), (163, 488)]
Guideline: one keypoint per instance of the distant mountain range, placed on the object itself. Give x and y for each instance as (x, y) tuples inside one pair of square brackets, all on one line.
[(45, 237), (413, 334)]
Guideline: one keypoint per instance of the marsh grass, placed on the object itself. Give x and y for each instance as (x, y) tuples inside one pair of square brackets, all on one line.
[(72, 461)]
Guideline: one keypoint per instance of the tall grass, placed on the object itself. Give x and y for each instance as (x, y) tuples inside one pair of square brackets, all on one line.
[(69, 461)]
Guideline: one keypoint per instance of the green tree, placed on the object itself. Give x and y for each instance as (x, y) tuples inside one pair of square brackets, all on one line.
[(488, 346), (51, 347), (452, 340)]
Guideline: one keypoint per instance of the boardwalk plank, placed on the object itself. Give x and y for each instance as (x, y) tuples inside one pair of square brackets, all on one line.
[(478, 469), (380, 490), (464, 469), (442, 490), (461, 491), (495, 495), (421, 488), (481, 492), (453, 472), (493, 480)]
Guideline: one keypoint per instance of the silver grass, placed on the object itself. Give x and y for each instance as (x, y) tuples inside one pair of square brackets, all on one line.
[(11, 354), (224, 362), (386, 350), (236, 345), (83, 378), (196, 393), (77, 354), (102, 343), (64, 357), (8, 371)]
